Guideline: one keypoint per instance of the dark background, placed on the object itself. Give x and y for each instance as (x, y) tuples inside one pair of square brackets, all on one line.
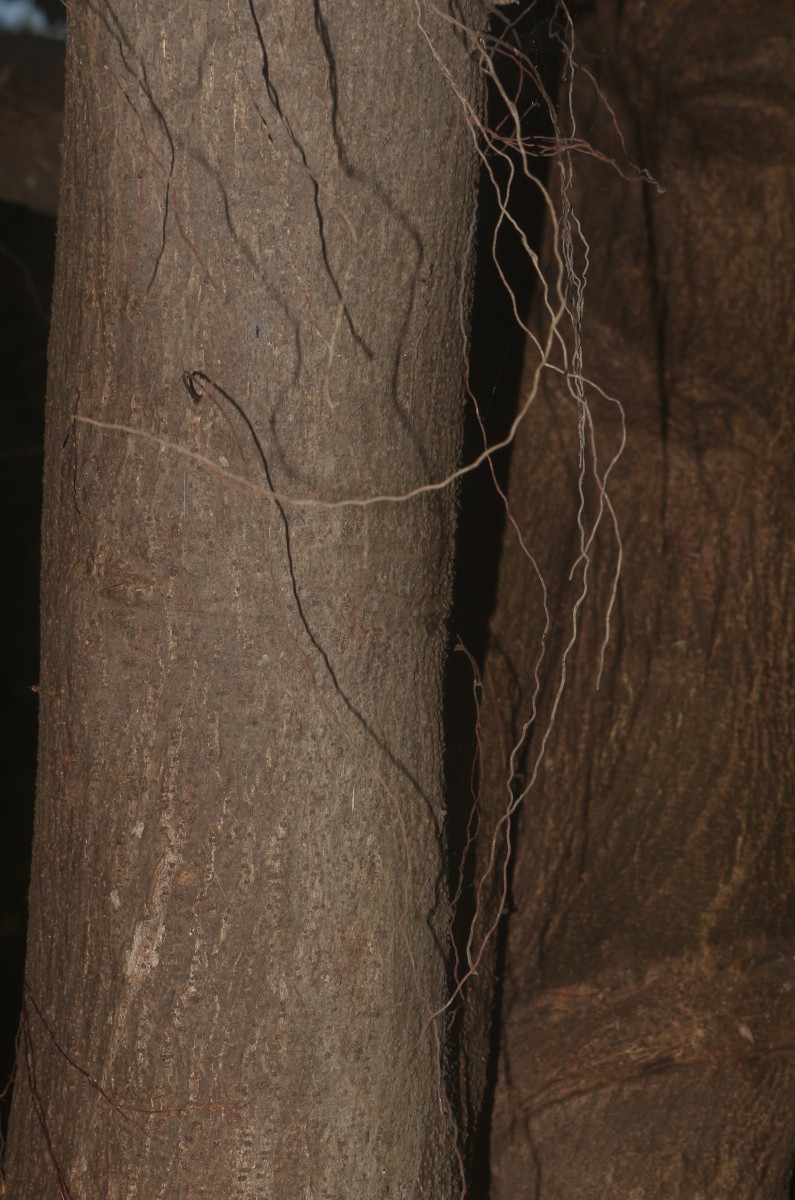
[(27, 244)]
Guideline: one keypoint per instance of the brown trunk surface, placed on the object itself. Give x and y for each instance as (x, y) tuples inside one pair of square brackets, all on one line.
[(234, 940), (649, 1013)]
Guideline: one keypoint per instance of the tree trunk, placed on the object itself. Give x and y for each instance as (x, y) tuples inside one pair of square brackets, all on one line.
[(235, 939), (648, 995)]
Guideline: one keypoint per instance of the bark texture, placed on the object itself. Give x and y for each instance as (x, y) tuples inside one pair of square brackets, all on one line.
[(650, 965), (234, 943)]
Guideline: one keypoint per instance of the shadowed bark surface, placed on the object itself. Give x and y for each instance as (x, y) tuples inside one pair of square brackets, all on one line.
[(648, 1019)]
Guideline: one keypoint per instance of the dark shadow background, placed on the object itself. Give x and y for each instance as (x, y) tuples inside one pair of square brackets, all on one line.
[(27, 259), (27, 248), (496, 360)]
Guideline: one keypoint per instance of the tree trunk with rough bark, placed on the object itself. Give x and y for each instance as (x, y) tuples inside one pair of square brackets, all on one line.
[(648, 1016), (236, 936)]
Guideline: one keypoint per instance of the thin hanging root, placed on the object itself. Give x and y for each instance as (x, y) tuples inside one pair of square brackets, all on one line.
[(558, 345)]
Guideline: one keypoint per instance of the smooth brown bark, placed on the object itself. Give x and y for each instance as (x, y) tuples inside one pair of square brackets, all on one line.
[(648, 1019), (234, 944)]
